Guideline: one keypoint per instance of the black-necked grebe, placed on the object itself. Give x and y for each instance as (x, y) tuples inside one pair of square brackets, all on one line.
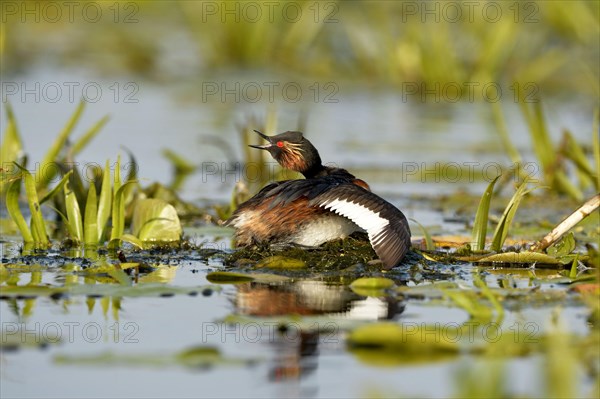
[(329, 204)]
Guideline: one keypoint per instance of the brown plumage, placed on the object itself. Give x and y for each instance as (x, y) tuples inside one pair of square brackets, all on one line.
[(330, 203)]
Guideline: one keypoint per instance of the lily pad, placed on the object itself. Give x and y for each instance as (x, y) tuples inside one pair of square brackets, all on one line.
[(410, 338), (281, 262), (156, 220), (16, 335), (140, 290), (373, 283), (371, 286), (239, 278), (196, 357), (521, 258), (228, 278)]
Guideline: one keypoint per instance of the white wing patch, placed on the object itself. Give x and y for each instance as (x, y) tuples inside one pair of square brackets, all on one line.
[(370, 221)]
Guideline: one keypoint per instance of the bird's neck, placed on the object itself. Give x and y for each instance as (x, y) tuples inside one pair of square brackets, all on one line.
[(316, 170), (320, 171)]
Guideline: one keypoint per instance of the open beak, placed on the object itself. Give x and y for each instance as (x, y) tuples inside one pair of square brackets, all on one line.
[(265, 146)]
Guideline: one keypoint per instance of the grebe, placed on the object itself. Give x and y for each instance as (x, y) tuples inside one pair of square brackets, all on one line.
[(330, 203)]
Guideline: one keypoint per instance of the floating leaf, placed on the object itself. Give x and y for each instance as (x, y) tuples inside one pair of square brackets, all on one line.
[(103, 290), (13, 337), (563, 247), (201, 357), (163, 274), (228, 277), (155, 220), (524, 257), (410, 339), (237, 278), (281, 262), (371, 286), (373, 282)]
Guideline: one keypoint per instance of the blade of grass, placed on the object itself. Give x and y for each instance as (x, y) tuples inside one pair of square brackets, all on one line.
[(65, 220), (73, 213), (565, 185), (132, 168), (542, 144), (511, 150), (574, 152), (12, 206), (11, 144), (56, 188), (429, 244), (117, 208), (481, 217), (11, 148), (485, 290), (88, 136), (573, 272), (133, 240), (501, 231), (58, 144), (105, 202), (117, 176), (596, 144), (182, 168), (118, 274), (38, 226), (118, 220), (90, 222), (76, 183)]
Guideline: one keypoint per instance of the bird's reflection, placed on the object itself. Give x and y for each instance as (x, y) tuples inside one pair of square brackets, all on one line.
[(296, 352)]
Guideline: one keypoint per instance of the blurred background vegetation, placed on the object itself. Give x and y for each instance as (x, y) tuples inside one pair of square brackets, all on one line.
[(383, 43), (425, 53)]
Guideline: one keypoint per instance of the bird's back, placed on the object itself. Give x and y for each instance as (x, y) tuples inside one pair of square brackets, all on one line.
[(320, 209)]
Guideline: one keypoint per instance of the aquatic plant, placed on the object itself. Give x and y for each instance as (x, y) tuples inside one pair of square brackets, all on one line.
[(413, 43), (555, 161), (36, 232), (479, 230), (87, 212)]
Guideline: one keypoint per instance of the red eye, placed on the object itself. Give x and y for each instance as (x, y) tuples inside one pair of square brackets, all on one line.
[(280, 144)]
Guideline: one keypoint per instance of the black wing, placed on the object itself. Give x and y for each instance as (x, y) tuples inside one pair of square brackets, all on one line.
[(385, 224)]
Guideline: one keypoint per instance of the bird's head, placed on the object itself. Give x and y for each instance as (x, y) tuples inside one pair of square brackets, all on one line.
[(292, 151)]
